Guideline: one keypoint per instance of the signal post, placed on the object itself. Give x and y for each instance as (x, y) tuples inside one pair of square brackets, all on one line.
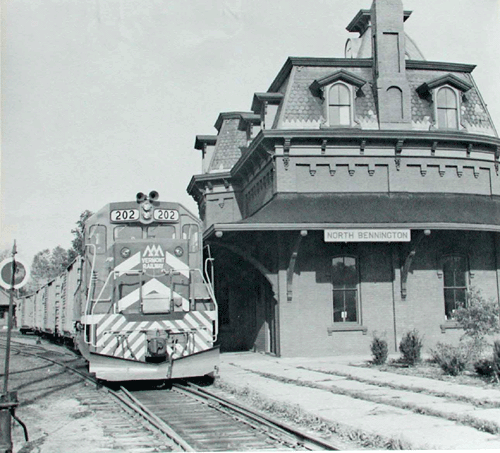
[(13, 275)]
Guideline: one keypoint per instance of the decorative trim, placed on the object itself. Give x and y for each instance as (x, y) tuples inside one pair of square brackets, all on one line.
[(286, 151), (342, 75), (260, 100), (497, 157), (291, 266), (439, 66), (362, 147), (405, 269), (448, 79), (433, 148), (323, 146), (398, 150), (344, 327), (449, 325)]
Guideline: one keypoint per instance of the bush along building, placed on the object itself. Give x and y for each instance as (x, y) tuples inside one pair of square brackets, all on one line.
[(359, 196)]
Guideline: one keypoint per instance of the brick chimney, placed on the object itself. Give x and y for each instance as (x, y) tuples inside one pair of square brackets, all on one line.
[(392, 89)]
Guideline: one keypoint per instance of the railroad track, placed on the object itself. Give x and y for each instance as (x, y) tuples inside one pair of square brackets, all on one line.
[(192, 417)]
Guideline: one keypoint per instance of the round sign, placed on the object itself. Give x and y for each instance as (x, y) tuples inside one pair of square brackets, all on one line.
[(21, 275)]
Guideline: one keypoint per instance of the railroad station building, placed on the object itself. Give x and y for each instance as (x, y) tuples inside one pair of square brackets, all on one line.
[(360, 196)]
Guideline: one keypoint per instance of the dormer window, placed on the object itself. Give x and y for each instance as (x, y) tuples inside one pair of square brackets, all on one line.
[(445, 93), (447, 108), (337, 92), (339, 105)]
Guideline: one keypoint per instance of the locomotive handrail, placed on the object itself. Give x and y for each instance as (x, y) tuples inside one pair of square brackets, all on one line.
[(85, 339), (212, 296)]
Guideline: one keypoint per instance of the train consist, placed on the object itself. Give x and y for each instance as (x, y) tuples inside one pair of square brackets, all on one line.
[(139, 304)]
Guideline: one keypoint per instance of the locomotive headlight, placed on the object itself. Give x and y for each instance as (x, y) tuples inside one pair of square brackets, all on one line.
[(147, 206), (178, 251), (125, 252), (146, 215)]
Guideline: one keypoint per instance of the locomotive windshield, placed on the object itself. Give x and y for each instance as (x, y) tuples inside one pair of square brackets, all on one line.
[(126, 232)]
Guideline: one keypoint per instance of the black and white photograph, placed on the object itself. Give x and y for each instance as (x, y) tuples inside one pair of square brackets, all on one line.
[(248, 225)]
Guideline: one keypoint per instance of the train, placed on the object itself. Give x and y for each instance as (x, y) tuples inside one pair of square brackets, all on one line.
[(139, 304)]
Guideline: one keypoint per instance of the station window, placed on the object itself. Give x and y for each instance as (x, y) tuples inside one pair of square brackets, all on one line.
[(339, 105), (455, 283), (447, 108), (345, 280)]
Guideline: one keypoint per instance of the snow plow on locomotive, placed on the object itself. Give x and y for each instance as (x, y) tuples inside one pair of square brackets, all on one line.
[(144, 308)]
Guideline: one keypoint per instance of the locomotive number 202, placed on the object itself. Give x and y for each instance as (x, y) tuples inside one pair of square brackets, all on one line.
[(124, 215), (166, 215)]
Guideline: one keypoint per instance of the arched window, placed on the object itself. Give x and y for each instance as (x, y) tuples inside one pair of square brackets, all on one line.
[(395, 103), (345, 282), (455, 283), (447, 109), (339, 105)]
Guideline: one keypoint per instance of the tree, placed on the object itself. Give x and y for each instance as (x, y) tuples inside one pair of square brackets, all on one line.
[(4, 254), (78, 243), (48, 265)]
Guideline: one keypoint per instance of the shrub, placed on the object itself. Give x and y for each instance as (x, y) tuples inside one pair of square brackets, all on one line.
[(452, 360), (496, 359), (410, 347), (484, 367), (379, 350), (479, 319)]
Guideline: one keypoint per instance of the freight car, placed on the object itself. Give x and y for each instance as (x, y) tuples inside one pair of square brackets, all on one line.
[(139, 304)]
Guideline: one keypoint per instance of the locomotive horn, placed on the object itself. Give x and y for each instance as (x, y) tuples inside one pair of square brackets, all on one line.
[(153, 195), (140, 197)]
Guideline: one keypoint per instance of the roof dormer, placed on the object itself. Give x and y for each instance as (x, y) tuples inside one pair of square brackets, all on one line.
[(266, 105)]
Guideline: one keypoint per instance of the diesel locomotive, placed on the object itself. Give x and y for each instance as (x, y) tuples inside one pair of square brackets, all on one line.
[(139, 305)]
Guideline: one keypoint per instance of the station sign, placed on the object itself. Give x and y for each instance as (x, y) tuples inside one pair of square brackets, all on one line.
[(367, 235), (21, 274)]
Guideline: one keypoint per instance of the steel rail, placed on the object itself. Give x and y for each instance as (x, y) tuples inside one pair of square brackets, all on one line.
[(128, 400), (304, 439)]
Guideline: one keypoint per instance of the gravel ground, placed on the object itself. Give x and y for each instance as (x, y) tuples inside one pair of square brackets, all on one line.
[(65, 414)]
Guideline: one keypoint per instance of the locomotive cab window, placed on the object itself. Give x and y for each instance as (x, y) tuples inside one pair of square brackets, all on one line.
[(191, 232), (97, 239), (162, 232), (127, 232)]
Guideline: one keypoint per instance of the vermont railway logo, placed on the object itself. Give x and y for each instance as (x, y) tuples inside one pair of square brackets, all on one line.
[(153, 257)]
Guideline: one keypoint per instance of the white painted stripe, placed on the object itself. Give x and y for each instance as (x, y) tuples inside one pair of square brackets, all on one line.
[(177, 264), (129, 264), (152, 285)]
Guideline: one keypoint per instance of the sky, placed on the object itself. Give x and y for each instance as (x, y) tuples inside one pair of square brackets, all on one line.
[(102, 99)]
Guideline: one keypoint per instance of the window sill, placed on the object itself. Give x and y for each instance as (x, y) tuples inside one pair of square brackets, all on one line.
[(448, 325), (347, 328)]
